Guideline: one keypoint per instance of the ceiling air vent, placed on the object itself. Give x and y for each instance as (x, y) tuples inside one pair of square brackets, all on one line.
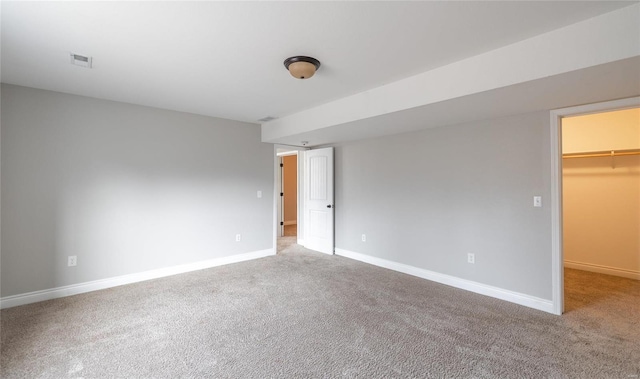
[(81, 60), (268, 118)]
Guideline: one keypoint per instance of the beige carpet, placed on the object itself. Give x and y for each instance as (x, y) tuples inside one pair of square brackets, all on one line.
[(308, 315), (288, 244)]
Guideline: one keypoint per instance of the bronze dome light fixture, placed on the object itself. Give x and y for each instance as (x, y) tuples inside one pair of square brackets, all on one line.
[(302, 67)]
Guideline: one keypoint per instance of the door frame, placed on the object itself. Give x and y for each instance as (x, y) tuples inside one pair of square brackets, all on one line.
[(277, 182), (557, 253)]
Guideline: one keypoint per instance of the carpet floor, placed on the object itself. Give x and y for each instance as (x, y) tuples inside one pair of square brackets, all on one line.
[(301, 314)]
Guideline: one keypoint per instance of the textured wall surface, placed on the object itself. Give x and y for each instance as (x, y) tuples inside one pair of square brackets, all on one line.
[(125, 188), (428, 198)]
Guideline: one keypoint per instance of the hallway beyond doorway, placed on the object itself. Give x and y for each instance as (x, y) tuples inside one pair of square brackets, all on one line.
[(290, 230)]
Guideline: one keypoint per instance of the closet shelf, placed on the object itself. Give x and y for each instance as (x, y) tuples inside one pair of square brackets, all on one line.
[(607, 153)]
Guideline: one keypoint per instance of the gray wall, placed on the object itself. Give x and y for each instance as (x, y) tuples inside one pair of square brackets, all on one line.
[(428, 198), (125, 188)]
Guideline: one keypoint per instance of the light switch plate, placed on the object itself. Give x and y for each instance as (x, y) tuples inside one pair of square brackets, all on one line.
[(537, 201)]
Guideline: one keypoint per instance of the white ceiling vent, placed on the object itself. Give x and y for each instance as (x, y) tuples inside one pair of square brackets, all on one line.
[(81, 60)]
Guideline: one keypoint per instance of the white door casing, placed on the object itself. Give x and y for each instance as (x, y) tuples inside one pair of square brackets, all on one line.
[(318, 196), (280, 189)]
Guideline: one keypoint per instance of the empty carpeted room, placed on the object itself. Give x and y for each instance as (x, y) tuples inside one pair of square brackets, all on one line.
[(431, 228)]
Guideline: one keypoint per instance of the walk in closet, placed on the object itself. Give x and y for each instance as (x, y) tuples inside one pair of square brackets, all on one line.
[(601, 192)]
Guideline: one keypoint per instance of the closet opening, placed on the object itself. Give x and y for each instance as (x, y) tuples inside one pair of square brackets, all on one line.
[(600, 209)]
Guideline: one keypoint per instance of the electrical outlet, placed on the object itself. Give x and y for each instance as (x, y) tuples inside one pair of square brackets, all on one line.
[(471, 258), (238, 237), (259, 194), (72, 260), (364, 238)]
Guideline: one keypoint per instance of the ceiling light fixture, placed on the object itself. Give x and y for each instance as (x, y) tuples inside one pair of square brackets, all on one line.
[(301, 67)]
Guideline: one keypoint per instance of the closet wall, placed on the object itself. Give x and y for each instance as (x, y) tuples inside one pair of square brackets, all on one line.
[(601, 195)]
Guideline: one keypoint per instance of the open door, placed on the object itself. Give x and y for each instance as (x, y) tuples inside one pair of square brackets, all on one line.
[(318, 204)]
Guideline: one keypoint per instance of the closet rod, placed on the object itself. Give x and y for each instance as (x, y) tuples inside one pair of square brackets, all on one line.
[(610, 153)]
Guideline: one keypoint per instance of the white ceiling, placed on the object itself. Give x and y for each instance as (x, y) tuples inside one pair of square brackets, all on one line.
[(224, 59)]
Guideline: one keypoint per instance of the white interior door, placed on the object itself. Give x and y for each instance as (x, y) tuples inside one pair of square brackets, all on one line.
[(318, 204)]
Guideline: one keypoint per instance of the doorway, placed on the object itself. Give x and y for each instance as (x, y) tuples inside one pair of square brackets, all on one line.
[(289, 167), (601, 203), (314, 226), (595, 196), (288, 199)]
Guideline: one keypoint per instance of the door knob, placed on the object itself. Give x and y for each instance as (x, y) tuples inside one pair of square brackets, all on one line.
[(329, 206)]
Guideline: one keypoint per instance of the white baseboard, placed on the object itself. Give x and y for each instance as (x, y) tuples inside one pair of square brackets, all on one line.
[(631, 274), (483, 289), (74, 289), (294, 222), (300, 241)]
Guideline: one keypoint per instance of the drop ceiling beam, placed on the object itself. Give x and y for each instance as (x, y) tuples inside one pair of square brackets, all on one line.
[(611, 37)]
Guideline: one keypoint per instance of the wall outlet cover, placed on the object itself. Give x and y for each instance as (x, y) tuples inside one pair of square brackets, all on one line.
[(72, 260)]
